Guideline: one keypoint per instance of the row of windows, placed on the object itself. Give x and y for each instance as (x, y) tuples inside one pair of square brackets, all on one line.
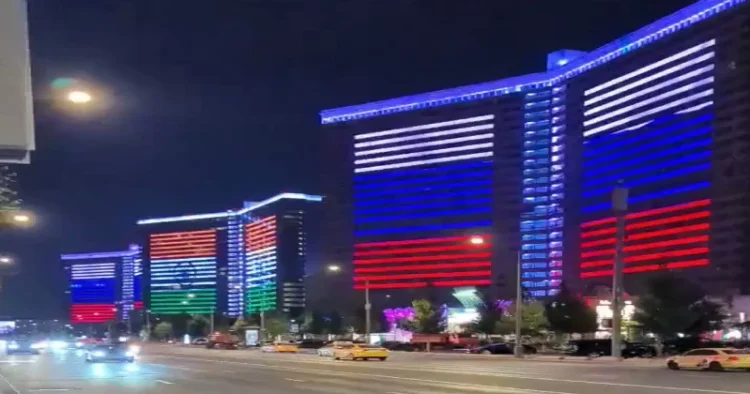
[(542, 237)]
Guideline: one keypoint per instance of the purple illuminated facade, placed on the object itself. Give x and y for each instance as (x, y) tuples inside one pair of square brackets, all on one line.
[(665, 110)]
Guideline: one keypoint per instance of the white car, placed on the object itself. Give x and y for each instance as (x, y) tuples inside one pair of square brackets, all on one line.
[(326, 351), (270, 348)]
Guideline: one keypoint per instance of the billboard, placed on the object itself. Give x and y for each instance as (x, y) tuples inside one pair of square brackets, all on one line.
[(16, 114)]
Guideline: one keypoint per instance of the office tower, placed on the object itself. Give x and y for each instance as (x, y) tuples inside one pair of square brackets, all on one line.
[(234, 262), (441, 190), (102, 285)]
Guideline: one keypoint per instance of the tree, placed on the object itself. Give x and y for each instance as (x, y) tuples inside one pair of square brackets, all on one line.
[(533, 319), (335, 323), (490, 315), (163, 330), (276, 325), (427, 319), (315, 323), (674, 305), (568, 314), (198, 326)]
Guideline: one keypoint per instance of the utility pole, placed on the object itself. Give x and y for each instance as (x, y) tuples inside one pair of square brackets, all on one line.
[(148, 324), (519, 309), (368, 307), (213, 314), (620, 207), (262, 324)]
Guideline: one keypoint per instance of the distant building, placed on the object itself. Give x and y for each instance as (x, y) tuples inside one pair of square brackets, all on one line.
[(445, 189), (104, 286), (234, 262)]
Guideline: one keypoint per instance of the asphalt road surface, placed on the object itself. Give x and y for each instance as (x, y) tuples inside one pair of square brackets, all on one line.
[(176, 370)]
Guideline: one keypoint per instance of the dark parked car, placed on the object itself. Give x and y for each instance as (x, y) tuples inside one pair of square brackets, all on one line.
[(502, 348), (603, 347), (110, 352)]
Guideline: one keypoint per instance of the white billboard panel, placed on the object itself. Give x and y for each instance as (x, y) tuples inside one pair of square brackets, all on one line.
[(16, 114)]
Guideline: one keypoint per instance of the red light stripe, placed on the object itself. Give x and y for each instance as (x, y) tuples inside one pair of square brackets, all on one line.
[(601, 242), (181, 255), (409, 285), (420, 259), (651, 234), (181, 234), (423, 267), (419, 241), (646, 257), (421, 250), (661, 244), (463, 274), (650, 212), (461, 283), (652, 223), (184, 248), (647, 268), (183, 241)]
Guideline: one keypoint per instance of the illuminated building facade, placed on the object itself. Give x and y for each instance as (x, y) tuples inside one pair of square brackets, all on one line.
[(102, 285), (529, 163), (233, 262)]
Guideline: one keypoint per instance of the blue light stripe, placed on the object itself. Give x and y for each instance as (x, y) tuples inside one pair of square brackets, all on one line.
[(645, 158), (652, 179), (663, 164), (439, 227), (424, 215), (442, 168), (418, 207), (423, 197), (426, 180), (651, 196), (425, 189), (643, 147)]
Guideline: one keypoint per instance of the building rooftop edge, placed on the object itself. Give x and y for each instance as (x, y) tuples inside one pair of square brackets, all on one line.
[(677, 21)]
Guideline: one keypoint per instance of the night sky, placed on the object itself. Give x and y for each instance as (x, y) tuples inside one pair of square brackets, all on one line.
[(210, 103)]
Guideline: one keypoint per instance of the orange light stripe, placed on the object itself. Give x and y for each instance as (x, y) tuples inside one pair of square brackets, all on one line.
[(182, 234), (181, 255)]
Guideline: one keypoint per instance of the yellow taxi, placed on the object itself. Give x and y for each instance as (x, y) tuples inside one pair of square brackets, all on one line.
[(712, 359), (357, 351), (285, 347)]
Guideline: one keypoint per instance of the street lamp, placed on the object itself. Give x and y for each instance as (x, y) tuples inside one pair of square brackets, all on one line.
[(79, 97), (476, 240), (334, 268), (21, 218)]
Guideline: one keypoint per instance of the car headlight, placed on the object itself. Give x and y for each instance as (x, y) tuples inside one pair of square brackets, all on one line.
[(58, 345), (13, 346), (39, 345), (79, 344), (98, 353), (129, 354), (135, 349)]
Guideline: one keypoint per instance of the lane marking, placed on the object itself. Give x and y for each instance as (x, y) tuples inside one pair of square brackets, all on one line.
[(49, 389), (614, 384), (163, 381), (12, 387), (294, 380)]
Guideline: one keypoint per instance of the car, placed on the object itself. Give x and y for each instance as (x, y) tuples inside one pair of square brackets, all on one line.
[(111, 352), (501, 348), (23, 346), (603, 347), (358, 351), (200, 341), (712, 359)]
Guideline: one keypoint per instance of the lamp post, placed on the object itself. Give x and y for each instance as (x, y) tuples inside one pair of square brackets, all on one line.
[(334, 268), (620, 208)]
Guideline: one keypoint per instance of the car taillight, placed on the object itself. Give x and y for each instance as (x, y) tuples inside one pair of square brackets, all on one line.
[(733, 358)]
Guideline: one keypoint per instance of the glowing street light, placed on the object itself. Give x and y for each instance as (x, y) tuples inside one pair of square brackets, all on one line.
[(476, 240), (21, 218), (334, 268), (79, 97), (5, 260)]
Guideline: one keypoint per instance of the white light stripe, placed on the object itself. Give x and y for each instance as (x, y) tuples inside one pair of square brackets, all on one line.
[(93, 270), (649, 78), (651, 66), (183, 277), (177, 284), (183, 259), (434, 134), (424, 127), (695, 108), (93, 277), (182, 266), (84, 266), (424, 162), (269, 276), (175, 272), (426, 144), (260, 251), (266, 269), (424, 153), (650, 89), (650, 112), (649, 101), (258, 261)]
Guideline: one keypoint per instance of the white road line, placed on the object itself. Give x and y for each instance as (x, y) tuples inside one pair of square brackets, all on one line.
[(614, 384), (12, 387), (294, 380), (49, 389), (163, 381)]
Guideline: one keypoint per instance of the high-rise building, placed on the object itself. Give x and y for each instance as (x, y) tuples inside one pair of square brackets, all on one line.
[(234, 262), (104, 286), (445, 189)]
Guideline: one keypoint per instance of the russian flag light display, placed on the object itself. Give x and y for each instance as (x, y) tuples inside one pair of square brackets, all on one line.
[(651, 129), (261, 265)]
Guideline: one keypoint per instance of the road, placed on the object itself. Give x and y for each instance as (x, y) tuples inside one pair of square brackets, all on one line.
[(173, 370)]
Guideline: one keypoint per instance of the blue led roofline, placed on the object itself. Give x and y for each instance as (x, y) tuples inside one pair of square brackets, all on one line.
[(655, 178), (219, 215), (651, 196), (638, 149), (673, 23)]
